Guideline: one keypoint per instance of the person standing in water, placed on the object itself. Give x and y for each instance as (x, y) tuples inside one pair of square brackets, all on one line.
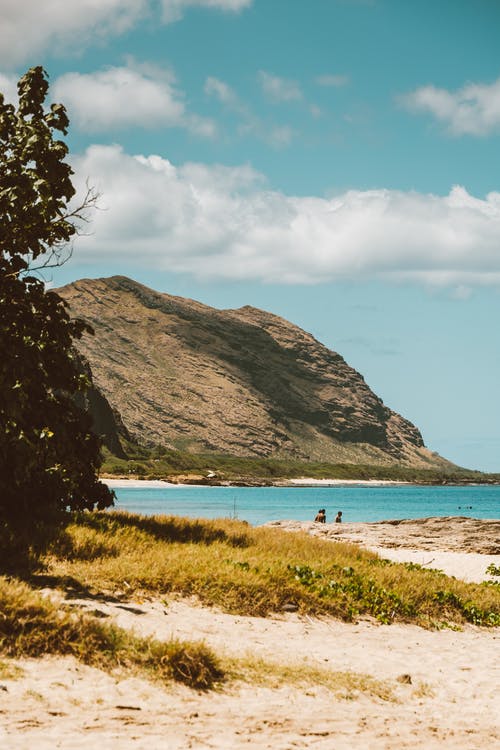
[(338, 517), (321, 516)]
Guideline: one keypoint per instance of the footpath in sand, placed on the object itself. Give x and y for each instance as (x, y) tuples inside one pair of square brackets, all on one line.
[(444, 683)]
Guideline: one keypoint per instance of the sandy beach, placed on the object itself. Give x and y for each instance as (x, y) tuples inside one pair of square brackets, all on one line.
[(444, 683), (459, 546)]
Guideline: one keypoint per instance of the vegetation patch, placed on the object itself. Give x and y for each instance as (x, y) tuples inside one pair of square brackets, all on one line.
[(344, 685), (163, 463), (32, 626), (10, 671), (258, 571)]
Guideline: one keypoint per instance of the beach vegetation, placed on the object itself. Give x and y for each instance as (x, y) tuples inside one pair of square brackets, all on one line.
[(10, 671), (257, 571), (242, 570), (346, 685), (31, 625), (493, 570), (49, 456)]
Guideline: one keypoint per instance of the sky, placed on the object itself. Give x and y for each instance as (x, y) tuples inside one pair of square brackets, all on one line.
[(336, 162)]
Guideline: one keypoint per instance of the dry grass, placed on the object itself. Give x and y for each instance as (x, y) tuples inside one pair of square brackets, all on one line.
[(31, 625), (257, 571), (240, 569), (344, 685), (9, 671)]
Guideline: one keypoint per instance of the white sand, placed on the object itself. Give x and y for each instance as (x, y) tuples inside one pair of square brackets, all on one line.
[(120, 483), (468, 566), (451, 702), (288, 482)]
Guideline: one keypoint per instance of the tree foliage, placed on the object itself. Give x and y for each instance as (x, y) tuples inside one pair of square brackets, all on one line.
[(49, 456)]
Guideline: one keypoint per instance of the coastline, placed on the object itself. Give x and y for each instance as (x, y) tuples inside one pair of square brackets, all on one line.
[(132, 483), (310, 482), (198, 480)]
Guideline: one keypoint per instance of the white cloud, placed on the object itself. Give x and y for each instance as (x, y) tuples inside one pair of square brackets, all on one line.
[(222, 222), (332, 80), (279, 89), (173, 10), (8, 87), (28, 27), (277, 136), (222, 91), (134, 96), (280, 136), (472, 110)]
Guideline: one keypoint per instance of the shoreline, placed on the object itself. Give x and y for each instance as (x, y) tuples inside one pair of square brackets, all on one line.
[(299, 482), (310, 482), (121, 482)]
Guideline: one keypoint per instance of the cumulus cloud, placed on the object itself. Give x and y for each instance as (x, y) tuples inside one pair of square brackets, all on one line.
[(472, 110), (279, 89), (222, 222), (28, 27), (121, 97)]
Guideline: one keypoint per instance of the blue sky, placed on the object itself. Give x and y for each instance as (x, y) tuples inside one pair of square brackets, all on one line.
[(336, 162)]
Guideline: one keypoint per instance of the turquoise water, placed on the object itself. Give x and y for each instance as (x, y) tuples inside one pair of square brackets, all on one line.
[(257, 505)]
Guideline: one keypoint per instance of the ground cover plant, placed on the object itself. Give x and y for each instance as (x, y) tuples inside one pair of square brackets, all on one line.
[(258, 571)]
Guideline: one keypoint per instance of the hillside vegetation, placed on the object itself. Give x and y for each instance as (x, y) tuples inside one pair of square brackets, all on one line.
[(213, 468)]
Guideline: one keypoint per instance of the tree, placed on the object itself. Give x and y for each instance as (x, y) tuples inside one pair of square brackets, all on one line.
[(49, 456)]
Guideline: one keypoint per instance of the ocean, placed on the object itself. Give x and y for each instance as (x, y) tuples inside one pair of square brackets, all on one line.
[(258, 505)]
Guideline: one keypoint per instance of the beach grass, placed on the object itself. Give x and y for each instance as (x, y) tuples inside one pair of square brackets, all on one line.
[(31, 625), (345, 685), (227, 564), (257, 571)]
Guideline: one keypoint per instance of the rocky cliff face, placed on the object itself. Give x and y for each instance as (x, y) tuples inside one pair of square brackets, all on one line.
[(245, 382)]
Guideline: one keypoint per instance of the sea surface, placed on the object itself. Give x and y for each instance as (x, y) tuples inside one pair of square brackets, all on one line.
[(257, 505)]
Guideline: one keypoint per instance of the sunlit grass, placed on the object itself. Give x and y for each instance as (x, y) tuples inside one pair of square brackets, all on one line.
[(258, 571), (343, 684), (31, 626), (10, 671)]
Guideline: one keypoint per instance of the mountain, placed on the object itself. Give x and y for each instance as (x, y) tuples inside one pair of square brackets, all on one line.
[(177, 373)]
